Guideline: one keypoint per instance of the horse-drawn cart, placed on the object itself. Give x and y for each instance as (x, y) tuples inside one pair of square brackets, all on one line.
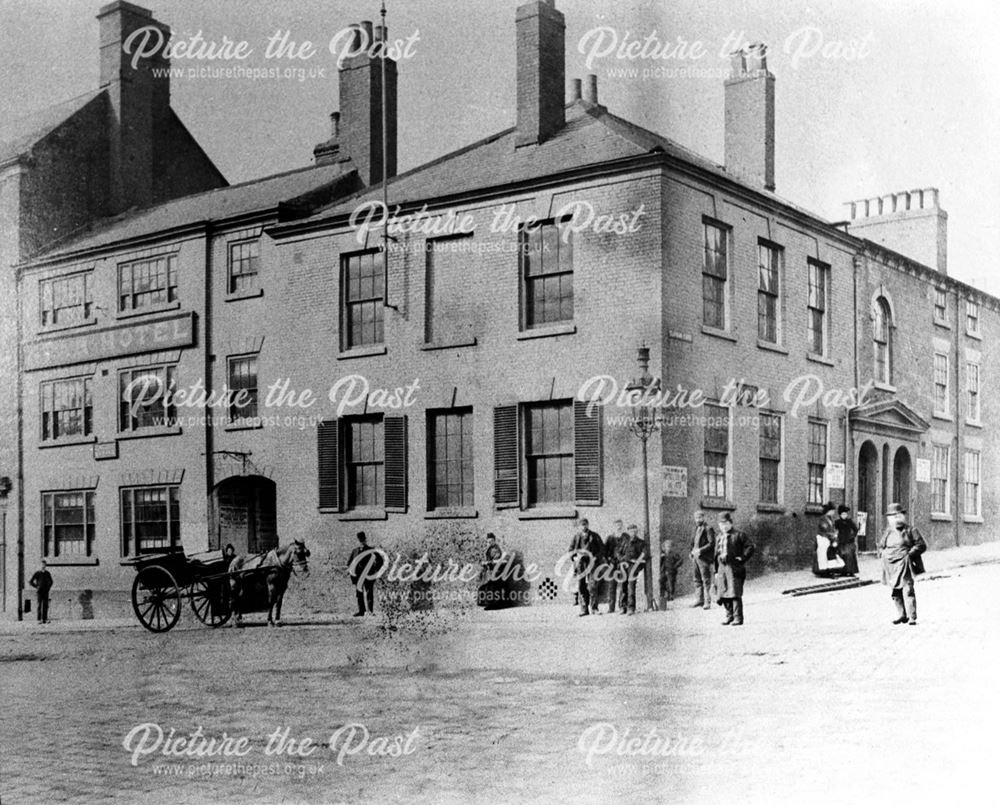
[(163, 581), (214, 587)]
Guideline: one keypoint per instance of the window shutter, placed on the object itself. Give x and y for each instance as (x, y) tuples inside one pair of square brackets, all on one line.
[(328, 450), (506, 461), (395, 463), (587, 454)]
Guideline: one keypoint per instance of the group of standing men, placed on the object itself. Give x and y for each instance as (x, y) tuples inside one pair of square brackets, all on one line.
[(720, 565), (617, 561)]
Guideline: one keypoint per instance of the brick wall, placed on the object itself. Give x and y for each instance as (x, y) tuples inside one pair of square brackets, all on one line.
[(95, 585), (916, 336), (617, 289), (700, 358)]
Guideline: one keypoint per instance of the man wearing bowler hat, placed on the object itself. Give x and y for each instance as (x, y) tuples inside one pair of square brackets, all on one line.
[(732, 550), (900, 547)]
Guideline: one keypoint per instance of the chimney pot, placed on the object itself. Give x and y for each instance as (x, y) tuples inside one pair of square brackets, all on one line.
[(366, 26), (356, 36), (756, 57), (335, 124), (577, 89), (737, 64), (592, 88), (379, 33)]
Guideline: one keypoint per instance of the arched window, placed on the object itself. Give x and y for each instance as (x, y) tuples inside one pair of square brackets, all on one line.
[(882, 338)]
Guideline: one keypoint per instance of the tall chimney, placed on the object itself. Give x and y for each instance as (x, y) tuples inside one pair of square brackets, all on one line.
[(750, 117), (361, 108), (139, 103), (541, 72)]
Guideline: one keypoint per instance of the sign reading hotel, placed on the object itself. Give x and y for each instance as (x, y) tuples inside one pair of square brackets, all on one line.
[(675, 482), (110, 342)]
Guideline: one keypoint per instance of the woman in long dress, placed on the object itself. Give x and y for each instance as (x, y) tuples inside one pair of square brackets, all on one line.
[(847, 539), (826, 561)]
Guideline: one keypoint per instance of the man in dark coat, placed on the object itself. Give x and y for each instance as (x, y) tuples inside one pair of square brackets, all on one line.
[(633, 553), (587, 551), (732, 550), (900, 548), (611, 569), (703, 559), (364, 566), (42, 582)]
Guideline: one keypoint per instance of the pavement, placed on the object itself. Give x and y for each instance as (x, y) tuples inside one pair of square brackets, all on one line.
[(818, 698)]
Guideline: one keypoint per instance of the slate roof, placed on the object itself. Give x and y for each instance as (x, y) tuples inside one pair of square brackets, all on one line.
[(213, 205), (592, 135), (18, 135)]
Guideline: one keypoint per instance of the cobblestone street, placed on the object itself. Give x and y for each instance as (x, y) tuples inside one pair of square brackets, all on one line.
[(817, 698)]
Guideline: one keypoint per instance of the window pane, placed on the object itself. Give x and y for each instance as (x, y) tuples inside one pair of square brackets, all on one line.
[(146, 283), (364, 462), (547, 274), (450, 443), (550, 453)]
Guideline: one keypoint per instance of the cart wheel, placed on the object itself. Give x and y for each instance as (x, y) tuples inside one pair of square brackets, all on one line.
[(210, 601), (156, 599)]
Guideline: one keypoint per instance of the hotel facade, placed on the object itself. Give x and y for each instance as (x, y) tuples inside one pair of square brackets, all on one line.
[(469, 372)]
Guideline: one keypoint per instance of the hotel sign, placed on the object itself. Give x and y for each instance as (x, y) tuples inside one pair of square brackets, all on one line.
[(110, 342)]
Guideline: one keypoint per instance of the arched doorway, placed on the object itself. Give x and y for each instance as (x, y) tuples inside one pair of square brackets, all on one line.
[(901, 478), (868, 490), (244, 514)]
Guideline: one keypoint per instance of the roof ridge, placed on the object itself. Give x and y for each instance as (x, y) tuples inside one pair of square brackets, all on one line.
[(419, 168), (89, 94)]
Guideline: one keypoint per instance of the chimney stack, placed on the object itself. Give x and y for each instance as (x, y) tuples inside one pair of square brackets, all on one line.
[(910, 222), (328, 152), (750, 117), (360, 117), (541, 72), (139, 105)]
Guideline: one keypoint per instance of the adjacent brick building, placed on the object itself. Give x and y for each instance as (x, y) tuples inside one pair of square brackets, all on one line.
[(451, 383)]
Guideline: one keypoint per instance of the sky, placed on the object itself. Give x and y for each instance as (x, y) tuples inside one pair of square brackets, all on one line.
[(871, 97)]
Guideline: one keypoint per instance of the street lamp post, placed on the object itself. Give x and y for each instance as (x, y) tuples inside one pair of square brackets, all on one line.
[(5, 486), (644, 424)]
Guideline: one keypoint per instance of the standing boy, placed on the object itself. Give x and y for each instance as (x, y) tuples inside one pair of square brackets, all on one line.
[(670, 563)]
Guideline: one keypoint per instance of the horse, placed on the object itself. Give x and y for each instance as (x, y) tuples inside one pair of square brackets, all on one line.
[(277, 566)]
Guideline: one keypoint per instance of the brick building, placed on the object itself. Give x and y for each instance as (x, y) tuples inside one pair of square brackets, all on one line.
[(452, 366)]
